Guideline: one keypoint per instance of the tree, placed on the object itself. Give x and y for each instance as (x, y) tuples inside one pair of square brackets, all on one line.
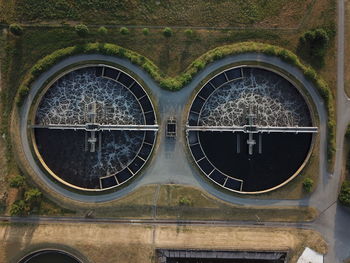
[(32, 195), (347, 133), (184, 201), (16, 29), (189, 33), (81, 30), (124, 31), (102, 31), (344, 195), (18, 208), (308, 184), (17, 181), (167, 32), (145, 31), (313, 45)]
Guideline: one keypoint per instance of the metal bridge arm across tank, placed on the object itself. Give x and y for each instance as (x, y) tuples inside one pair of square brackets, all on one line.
[(253, 129), (97, 127)]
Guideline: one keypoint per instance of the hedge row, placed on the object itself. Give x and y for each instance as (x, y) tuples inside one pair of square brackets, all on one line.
[(344, 195), (178, 82)]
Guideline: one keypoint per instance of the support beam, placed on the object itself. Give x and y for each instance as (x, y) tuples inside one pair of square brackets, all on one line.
[(251, 142), (97, 127), (260, 143), (238, 143), (253, 129)]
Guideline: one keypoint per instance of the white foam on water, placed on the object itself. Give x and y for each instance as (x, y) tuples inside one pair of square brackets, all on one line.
[(274, 101)]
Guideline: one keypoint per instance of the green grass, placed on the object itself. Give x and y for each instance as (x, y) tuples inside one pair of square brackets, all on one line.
[(138, 204), (184, 202), (202, 206), (181, 12)]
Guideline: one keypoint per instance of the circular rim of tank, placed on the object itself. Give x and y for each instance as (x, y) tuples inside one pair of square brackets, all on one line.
[(308, 102), (35, 253), (31, 134)]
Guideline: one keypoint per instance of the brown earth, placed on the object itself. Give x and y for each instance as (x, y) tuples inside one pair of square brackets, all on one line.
[(103, 243)]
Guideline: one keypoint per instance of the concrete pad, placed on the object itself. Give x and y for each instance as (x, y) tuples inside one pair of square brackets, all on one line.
[(310, 256)]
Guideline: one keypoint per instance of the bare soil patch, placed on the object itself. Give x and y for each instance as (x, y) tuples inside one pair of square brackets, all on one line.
[(134, 243)]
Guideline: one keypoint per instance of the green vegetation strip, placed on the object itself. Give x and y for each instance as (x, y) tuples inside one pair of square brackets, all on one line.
[(190, 203), (176, 83), (344, 195)]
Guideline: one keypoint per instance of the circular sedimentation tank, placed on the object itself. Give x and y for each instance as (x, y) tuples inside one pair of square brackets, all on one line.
[(93, 127), (250, 129), (50, 255)]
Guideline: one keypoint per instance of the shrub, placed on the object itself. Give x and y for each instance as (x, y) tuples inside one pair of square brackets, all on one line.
[(308, 184), (81, 30), (122, 52), (124, 31), (18, 208), (22, 94), (17, 181), (102, 31), (189, 33), (288, 56), (199, 64), (32, 195), (344, 195), (184, 201), (218, 54), (347, 162), (171, 83), (310, 74), (145, 31), (167, 32), (347, 133), (271, 51), (16, 29), (313, 45)]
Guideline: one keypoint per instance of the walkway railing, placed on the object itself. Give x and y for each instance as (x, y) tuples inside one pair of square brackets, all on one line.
[(253, 129), (97, 127)]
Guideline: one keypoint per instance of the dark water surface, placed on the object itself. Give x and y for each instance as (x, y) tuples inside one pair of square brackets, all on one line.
[(65, 154), (282, 155), (49, 257)]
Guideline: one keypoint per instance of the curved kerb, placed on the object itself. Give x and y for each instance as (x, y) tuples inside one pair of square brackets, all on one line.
[(27, 258)]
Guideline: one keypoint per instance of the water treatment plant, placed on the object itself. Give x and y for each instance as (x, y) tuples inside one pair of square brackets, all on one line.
[(94, 132), (181, 131)]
